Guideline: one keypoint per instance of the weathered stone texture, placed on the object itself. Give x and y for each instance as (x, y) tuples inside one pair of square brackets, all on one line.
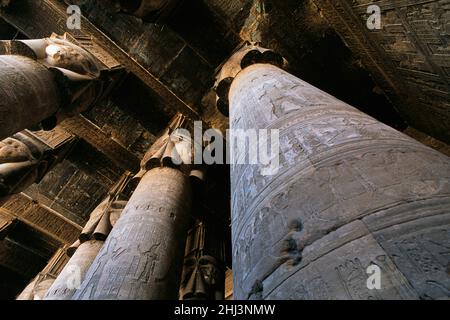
[(203, 276), (142, 257), (29, 94), (64, 287), (165, 52), (337, 166), (409, 57), (41, 218)]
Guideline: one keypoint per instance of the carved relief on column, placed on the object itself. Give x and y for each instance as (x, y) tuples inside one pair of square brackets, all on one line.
[(45, 81), (37, 289), (350, 193), (245, 56), (203, 275), (142, 258), (91, 240), (24, 160)]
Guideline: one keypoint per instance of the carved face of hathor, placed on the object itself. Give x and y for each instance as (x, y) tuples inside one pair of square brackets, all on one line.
[(57, 52), (63, 54), (201, 278), (20, 165)]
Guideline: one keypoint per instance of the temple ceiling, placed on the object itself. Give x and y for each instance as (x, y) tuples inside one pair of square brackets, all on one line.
[(169, 67)]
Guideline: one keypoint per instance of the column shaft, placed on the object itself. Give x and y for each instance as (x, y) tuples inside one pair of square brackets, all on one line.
[(350, 193), (143, 256), (28, 94), (39, 286), (64, 287)]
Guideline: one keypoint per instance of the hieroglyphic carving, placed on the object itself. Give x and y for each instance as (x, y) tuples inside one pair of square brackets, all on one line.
[(245, 56), (421, 250), (6, 224), (142, 257), (95, 136), (335, 267), (41, 218), (337, 165), (91, 240), (52, 138), (28, 18), (408, 57)]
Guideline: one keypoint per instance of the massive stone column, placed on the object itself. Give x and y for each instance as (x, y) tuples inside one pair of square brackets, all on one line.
[(44, 81), (37, 289), (204, 268), (65, 285), (143, 256), (91, 240), (351, 197)]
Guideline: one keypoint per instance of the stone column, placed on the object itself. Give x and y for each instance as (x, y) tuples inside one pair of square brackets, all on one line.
[(64, 287), (352, 198), (143, 256), (44, 81), (37, 289), (204, 268), (83, 252), (91, 240), (29, 94)]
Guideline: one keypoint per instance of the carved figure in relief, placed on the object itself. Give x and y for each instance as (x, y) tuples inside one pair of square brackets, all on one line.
[(25, 160)]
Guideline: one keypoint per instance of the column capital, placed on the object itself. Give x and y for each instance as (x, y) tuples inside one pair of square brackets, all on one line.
[(244, 57), (104, 216), (174, 148), (80, 79), (25, 160)]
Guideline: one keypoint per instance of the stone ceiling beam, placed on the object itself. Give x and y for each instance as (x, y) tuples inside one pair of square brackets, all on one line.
[(79, 125), (92, 134), (41, 218)]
